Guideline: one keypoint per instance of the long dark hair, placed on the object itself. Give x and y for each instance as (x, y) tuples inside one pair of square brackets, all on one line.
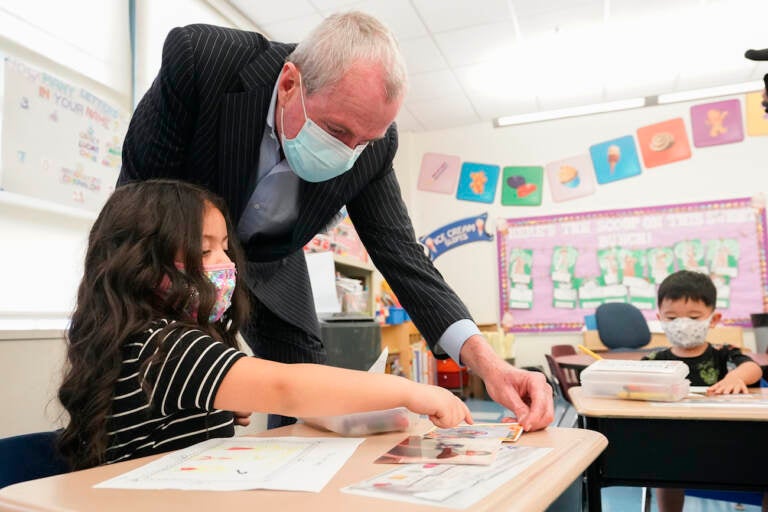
[(129, 281)]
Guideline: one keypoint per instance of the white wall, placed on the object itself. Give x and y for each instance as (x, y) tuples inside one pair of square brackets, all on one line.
[(84, 42), (89, 36), (718, 172), (153, 22)]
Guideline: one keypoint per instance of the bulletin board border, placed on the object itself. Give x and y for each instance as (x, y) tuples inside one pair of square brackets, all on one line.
[(743, 202)]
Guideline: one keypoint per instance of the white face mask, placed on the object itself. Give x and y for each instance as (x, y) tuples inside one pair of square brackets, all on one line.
[(686, 332)]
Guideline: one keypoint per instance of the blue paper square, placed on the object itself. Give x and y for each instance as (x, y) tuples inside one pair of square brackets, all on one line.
[(477, 182), (615, 159)]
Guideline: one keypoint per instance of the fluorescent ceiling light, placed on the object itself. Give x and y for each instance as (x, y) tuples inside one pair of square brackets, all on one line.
[(710, 92), (571, 112)]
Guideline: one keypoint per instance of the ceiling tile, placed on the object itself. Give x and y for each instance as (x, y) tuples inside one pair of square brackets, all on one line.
[(624, 10), (467, 61), (555, 16), (441, 113), (476, 44), (264, 12), (334, 5), (493, 96), (434, 84), (406, 122), (442, 15), (555, 100), (294, 30), (398, 15), (421, 54)]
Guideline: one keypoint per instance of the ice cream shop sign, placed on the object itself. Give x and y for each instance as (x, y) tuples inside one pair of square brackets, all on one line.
[(455, 234)]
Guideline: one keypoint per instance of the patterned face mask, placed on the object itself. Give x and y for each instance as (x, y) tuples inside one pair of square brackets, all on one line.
[(686, 332), (224, 278)]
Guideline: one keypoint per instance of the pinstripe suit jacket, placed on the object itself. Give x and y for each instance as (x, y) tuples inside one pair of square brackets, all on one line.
[(202, 121)]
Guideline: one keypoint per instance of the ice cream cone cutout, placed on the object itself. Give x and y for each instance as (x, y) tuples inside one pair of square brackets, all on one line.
[(614, 155)]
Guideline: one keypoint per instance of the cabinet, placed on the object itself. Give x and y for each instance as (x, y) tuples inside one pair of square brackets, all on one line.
[(355, 269)]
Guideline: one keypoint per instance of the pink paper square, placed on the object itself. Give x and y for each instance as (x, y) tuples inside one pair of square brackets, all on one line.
[(439, 173)]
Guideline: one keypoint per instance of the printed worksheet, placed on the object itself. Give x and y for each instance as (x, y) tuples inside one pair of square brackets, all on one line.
[(243, 463), (449, 485)]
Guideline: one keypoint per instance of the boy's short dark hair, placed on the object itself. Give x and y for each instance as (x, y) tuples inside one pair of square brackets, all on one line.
[(689, 285)]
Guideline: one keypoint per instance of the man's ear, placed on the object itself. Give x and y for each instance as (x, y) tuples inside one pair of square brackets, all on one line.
[(715, 320), (288, 83)]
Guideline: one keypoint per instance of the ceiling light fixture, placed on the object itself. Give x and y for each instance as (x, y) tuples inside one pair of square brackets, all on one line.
[(583, 110), (710, 92)]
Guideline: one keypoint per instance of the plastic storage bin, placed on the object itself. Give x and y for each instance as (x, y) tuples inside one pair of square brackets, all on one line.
[(396, 315), (662, 381)]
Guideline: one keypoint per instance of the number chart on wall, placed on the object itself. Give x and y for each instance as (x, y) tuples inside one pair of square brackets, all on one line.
[(554, 270), (60, 142)]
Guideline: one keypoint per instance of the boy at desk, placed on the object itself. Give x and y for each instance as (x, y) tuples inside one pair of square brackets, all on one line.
[(686, 302)]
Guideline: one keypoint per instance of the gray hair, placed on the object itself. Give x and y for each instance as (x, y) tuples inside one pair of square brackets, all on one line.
[(341, 40)]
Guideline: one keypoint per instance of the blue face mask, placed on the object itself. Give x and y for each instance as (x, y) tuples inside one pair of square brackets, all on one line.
[(314, 154)]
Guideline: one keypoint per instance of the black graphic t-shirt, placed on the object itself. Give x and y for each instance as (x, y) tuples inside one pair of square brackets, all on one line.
[(709, 367)]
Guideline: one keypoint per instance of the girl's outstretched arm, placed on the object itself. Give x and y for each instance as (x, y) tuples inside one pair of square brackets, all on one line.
[(260, 385)]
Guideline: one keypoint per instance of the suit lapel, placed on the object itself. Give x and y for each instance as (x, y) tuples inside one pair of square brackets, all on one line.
[(243, 120)]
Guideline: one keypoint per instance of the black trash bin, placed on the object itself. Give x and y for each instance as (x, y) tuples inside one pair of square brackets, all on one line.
[(760, 325)]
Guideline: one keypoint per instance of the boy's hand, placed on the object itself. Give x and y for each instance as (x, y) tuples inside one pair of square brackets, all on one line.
[(730, 384)]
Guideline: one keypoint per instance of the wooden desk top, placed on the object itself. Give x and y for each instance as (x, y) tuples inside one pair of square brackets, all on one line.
[(617, 408), (583, 360), (537, 488)]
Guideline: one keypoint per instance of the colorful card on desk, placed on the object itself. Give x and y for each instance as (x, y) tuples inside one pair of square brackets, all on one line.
[(418, 449), (504, 432)]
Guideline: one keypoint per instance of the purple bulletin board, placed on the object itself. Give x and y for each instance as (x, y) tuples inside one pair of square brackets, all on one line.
[(636, 229)]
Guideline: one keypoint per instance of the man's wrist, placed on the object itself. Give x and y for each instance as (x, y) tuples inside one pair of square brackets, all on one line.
[(478, 355)]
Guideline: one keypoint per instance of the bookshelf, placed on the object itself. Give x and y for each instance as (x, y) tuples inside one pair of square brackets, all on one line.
[(398, 338)]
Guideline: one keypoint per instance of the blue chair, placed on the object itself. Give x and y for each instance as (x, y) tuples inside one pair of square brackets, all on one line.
[(29, 456), (743, 497), (621, 325)]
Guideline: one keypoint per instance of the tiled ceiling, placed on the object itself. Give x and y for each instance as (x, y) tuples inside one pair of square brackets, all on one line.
[(472, 61)]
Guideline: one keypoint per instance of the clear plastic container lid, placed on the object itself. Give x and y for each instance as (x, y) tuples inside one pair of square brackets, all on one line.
[(365, 423), (628, 371), (633, 391)]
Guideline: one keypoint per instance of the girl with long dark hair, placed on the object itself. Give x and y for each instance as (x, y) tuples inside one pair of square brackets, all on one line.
[(152, 358)]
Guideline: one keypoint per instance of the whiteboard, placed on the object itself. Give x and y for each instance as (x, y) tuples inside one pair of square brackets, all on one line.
[(60, 142)]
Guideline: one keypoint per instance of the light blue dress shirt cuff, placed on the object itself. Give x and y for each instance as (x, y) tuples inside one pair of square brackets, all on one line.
[(454, 337)]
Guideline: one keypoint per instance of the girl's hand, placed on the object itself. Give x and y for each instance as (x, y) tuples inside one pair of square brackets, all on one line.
[(242, 418), (444, 408), (730, 384)]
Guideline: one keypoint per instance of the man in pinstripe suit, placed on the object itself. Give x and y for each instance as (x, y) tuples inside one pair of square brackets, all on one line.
[(288, 135)]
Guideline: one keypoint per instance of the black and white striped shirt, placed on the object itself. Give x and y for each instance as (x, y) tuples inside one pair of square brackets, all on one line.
[(179, 410)]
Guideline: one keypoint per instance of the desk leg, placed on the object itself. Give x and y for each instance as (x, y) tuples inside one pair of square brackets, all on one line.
[(594, 498)]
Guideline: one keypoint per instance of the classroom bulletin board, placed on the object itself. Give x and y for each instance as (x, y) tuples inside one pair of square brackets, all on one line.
[(60, 142), (554, 270)]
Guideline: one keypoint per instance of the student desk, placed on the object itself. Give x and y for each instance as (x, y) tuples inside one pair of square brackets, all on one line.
[(534, 490), (674, 445)]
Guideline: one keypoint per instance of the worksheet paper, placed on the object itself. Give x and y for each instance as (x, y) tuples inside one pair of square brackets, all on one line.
[(447, 485), (243, 463)]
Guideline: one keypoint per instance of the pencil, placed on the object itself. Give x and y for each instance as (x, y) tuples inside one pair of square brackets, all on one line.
[(588, 352)]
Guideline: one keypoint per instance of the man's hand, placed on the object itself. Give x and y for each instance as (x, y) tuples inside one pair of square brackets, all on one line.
[(526, 393)]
